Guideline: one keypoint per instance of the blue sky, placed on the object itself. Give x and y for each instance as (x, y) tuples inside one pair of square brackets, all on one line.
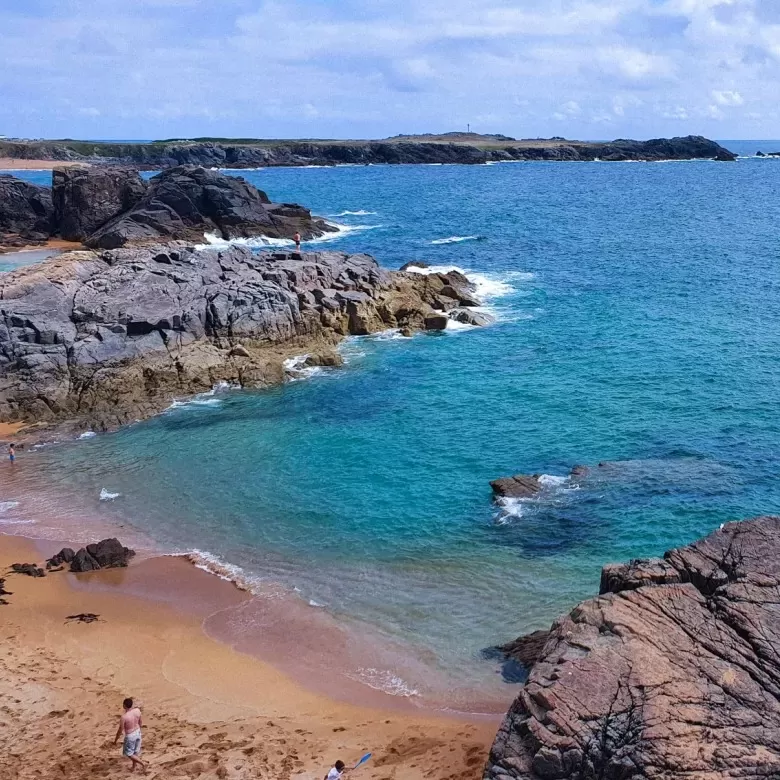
[(349, 69)]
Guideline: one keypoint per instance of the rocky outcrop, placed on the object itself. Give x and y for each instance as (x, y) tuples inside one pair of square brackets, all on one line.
[(518, 486), (187, 201), (106, 554), (26, 212), (107, 208), (86, 198), (112, 336), (526, 650), (674, 672), (228, 154)]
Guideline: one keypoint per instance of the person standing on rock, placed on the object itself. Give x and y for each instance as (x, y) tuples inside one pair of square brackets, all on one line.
[(11, 453), (130, 724), (297, 239)]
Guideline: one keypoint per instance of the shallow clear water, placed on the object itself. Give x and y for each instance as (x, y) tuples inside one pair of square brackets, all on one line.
[(638, 326)]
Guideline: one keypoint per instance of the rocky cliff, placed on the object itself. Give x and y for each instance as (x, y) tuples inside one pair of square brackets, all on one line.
[(254, 154), (26, 212), (672, 672), (112, 336)]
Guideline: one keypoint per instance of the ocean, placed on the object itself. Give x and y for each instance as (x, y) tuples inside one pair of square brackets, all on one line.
[(637, 327)]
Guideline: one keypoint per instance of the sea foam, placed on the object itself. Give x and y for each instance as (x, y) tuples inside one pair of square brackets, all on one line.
[(107, 495), (457, 239), (213, 241)]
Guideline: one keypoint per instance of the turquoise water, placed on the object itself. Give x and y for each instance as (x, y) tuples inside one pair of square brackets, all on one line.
[(638, 325)]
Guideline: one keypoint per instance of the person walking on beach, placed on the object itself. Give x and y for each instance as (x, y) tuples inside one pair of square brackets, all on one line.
[(297, 239), (337, 770), (130, 725), (11, 453)]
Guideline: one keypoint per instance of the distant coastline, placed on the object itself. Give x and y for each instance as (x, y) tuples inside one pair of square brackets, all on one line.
[(452, 148)]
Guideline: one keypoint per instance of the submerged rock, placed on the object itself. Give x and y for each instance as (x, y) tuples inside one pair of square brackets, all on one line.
[(526, 650), (468, 317), (519, 486), (671, 673)]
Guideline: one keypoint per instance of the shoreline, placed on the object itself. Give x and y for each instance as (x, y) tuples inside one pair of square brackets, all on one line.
[(19, 164), (151, 643)]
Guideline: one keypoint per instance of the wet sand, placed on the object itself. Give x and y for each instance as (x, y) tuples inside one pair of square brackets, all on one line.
[(210, 711), (26, 255)]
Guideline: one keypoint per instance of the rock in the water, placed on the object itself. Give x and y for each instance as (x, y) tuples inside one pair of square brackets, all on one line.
[(328, 358), (86, 198), (519, 486), (30, 569), (413, 264), (436, 322), (724, 155), (580, 471), (26, 212), (187, 202), (468, 317), (673, 673)]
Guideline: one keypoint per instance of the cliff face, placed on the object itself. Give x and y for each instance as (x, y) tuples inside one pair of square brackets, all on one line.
[(109, 337), (673, 672), (226, 154)]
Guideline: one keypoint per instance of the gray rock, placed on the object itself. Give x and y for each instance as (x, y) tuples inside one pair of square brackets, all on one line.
[(468, 317), (518, 486), (26, 212), (436, 322)]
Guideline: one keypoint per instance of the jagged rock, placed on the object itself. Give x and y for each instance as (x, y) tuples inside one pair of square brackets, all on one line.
[(330, 358), (436, 322), (673, 673), (65, 555), (106, 554), (519, 486), (724, 155), (30, 569), (413, 264), (86, 198), (26, 212), (478, 318), (110, 337), (187, 201), (527, 649), (4, 592), (580, 471), (760, 154)]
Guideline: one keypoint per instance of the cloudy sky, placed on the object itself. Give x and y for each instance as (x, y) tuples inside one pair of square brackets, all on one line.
[(372, 68)]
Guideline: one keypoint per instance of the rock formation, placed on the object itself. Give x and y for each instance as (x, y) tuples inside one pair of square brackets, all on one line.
[(519, 486), (26, 212), (109, 337), (674, 672), (106, 554), (187, 201), (236, 154), (107, 208), (86, 198)]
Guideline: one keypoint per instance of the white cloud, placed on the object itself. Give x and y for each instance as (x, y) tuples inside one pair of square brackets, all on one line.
[(727, 97)]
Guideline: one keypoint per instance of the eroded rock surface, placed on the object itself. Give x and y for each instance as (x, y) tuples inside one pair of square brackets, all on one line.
[(673, 673), (109, 337), (26, 212)]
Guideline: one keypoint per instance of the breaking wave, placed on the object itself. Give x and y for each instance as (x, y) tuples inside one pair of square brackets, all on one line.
[(458, 239), (213, 241), (107, 495)]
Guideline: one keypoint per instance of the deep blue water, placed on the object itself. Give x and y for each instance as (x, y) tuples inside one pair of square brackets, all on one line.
[(638, 325)]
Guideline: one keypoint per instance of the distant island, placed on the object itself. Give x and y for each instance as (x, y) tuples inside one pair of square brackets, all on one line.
[(453, 148)]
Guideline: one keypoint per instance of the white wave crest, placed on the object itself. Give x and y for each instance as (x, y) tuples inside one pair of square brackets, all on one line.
[(88, 435), (229, 572), (213, 241), (383, 680), (486, 286), (360, 213), (5, 506), (552, 481), (457, 239), (106, 495), (204, 399), (296, 369)]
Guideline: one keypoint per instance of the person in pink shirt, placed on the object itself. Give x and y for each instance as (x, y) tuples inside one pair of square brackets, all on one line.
[(130, 725)]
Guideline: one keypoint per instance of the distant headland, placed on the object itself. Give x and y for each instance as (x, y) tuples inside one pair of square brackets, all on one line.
[(453, 148)]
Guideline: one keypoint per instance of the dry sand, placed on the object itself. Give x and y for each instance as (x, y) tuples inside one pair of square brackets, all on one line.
[(53, 245), (12, 164), (209, 711)]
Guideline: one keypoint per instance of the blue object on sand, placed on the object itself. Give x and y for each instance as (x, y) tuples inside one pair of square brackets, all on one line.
[(362, 760)]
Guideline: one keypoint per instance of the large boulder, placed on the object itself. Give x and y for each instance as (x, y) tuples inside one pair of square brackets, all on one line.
[(187, 202), (518, 486), (26, 212), (672, 673), (85, 198), (106, 554)]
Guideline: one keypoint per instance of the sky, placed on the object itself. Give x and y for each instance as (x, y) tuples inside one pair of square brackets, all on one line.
[(591, 69)]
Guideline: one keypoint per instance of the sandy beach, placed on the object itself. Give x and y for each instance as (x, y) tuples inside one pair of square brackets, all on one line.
[(210, 712), (14, 164)]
